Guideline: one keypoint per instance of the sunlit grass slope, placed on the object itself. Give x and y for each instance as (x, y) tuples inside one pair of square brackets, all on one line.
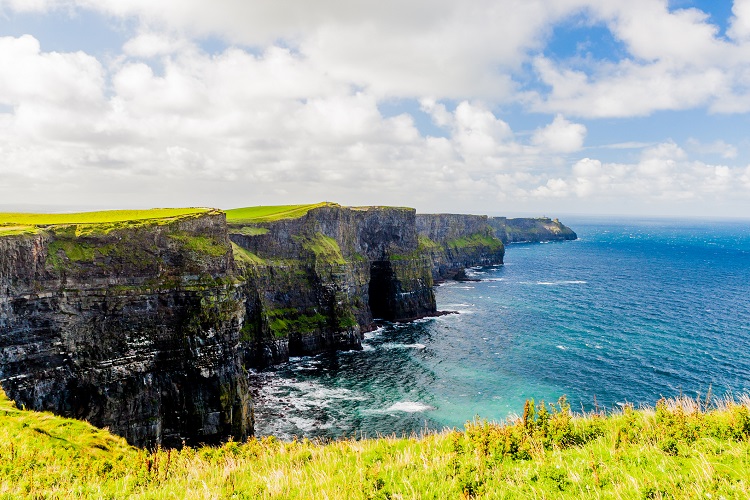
[(677, 450), (17, 222), (271, 213)]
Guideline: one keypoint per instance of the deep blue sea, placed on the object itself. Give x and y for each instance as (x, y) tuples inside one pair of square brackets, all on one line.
[(632, 311)]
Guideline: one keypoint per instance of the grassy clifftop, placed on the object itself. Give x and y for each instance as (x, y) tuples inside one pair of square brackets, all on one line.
[(271, 213), (677, 450), (20, 223)]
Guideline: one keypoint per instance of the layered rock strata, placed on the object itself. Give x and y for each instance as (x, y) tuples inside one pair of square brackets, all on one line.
[(318, 282), (135, 329), (455, 242)]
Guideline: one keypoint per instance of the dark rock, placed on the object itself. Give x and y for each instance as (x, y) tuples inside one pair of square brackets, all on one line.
[(136, 330), (454, 242)]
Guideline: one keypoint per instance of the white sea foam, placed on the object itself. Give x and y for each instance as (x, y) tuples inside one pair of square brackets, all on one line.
[(562, 348), (376, 332), (409, 407), (393, 345)]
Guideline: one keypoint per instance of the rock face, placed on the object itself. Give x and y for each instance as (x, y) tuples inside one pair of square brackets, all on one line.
[(531, 230), (148, 328), (316, 282), (455, 242), (135, 329)]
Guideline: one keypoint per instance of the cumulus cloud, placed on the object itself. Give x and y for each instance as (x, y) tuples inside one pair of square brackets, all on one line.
[(628, 88), (717, 147), (739, 29), (70, 78), (663, 173), (675, 59), (560, 136)]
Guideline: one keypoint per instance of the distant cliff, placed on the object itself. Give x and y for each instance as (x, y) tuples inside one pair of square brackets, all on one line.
[(455, 242), (532, 230), (148, 327)]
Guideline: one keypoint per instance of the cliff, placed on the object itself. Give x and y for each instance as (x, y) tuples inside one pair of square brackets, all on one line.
[(132, 328), (455, 242), (146, 322), (317, 282), (532, 230)]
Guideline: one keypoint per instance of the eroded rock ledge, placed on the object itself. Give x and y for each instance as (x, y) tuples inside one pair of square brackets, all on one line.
[(149, 328)]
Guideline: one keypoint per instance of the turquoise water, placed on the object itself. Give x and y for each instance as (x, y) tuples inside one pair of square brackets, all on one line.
[(632, 311)]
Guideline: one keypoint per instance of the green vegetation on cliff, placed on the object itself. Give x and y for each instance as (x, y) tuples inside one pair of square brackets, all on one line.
[(271, 213), (245, 257), (212, 247), (325, 249), (477, 240), (284, 322), (680, 449)]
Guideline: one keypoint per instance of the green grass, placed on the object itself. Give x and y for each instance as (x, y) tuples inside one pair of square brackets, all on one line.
[(12, 223), (271, 213), (29, 219), (246, 257), (680, 449), (201, 244), (476, 240), (325, 249)]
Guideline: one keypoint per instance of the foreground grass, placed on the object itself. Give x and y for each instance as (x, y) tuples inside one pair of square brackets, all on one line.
[(271, 213), (18, 222), (677, 450)]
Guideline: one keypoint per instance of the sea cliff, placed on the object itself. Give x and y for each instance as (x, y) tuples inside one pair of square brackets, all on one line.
[(531, 230), (148, 326), (133, 328)]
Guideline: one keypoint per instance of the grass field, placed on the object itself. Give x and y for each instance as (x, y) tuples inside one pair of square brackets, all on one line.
[(680, 449), (271, 213), (18, 223)]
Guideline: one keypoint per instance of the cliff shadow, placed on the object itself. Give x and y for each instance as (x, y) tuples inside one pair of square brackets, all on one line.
[(382, 291)]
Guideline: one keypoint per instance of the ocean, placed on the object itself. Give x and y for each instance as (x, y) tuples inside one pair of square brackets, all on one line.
[(632, 311)]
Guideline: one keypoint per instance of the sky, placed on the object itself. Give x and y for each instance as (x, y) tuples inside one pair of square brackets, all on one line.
[(538, 107)]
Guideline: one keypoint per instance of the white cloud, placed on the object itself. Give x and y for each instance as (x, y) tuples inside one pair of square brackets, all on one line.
[(31, 76), (663, 173), (740, 26), (390, 48), (717, 147), (151, 44), (560, 136), (651, 32), (627, 88)]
